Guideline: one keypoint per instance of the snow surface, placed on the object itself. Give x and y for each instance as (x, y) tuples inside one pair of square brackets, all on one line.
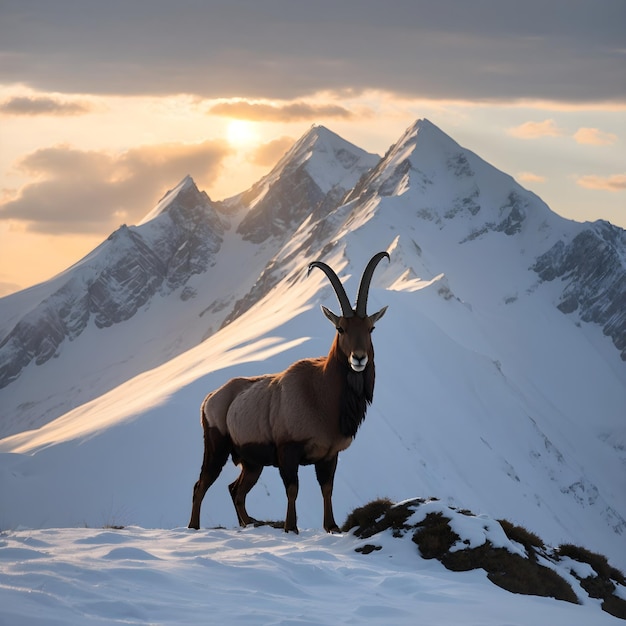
[(487, 397), (250, 576)]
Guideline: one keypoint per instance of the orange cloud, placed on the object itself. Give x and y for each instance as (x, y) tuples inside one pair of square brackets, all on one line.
[(293, 112), (616, 182), (77, 191), (594, 136), (536, 130), (529, 177)]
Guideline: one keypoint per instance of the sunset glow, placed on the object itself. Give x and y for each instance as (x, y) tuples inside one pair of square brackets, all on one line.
[(241, 133)]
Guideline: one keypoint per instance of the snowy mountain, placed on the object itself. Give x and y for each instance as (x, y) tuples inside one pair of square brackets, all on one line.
[(310, 181), (501, 379), (167, 261), (178, 239)]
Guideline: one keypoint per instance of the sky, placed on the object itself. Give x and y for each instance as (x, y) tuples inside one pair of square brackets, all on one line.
[(106, 106)]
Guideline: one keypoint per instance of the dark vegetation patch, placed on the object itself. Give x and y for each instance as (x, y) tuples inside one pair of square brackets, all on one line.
[(279, 524), (368, 548), (434, 537), (375, 517), (603, 584), (511, 572), (598, 562), (528, 539), (530, 575)]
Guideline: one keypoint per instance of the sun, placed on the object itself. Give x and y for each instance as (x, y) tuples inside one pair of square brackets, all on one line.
[(240, 133)]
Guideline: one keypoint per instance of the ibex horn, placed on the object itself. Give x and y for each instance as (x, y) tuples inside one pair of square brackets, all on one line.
[(366, 279), (346, 308)]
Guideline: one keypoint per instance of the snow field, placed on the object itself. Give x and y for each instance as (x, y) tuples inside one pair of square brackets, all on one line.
[(250, 576)]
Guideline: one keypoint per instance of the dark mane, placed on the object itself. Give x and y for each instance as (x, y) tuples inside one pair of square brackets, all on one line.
[(356, 395)]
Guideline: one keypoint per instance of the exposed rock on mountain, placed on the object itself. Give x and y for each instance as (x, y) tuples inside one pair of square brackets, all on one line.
[(592, 269)]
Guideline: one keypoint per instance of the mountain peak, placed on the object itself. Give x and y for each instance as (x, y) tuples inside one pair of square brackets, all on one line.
[(319, 137), (319, 131), (313, 176), (417, 154), (329, 159), (425, 135), (186, 191), (423, 125)]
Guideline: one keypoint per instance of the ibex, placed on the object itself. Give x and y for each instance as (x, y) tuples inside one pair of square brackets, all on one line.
[(304, 415)]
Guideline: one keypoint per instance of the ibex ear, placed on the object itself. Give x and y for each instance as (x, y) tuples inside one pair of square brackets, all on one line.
[(331, 316), (376, 316)]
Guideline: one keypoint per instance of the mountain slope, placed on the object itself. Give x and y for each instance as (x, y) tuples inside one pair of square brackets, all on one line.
[(194, 259), (488, 396)]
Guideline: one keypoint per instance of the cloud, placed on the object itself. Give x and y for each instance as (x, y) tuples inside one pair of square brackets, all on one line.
[(88, 191), (43, 105), (571, 52), (616, 182), (529, 177), (594, 137), (536, 130), (293, 112), (269, 153)]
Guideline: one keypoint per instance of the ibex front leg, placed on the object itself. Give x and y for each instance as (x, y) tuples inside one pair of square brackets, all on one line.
[(325, 472)]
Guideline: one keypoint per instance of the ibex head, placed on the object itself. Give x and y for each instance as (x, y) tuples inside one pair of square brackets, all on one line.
[(354, 326)]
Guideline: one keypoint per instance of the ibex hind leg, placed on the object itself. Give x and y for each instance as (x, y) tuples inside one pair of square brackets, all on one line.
[(217, 447), (239, 490), (289, 457)]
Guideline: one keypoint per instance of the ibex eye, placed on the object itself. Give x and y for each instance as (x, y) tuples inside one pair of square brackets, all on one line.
[(340, 330), (372, 329)]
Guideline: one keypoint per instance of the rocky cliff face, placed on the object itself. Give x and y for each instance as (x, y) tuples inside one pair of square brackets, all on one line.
[(592, 271)]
